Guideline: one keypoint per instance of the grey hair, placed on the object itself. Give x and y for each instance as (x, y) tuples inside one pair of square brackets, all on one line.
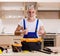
[(30, 7)]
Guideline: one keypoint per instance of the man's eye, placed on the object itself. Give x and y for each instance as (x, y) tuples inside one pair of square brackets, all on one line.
[(31, 12)]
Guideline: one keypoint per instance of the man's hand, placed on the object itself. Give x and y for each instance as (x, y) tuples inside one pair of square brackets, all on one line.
[(25, 31), (41, 31)]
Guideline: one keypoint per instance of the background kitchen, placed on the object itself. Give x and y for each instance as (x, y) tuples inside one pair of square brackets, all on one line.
[(12, 12)]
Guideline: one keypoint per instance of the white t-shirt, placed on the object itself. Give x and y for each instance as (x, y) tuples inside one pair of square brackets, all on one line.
[(30, 26)]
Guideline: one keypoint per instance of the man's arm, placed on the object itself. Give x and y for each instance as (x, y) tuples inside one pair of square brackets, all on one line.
[(17, 31), (20, 30), (41, 30)]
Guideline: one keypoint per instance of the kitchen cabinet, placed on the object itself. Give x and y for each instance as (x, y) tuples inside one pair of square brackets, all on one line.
[(48, 10), (12, 9), (8, 39), (48, 6)]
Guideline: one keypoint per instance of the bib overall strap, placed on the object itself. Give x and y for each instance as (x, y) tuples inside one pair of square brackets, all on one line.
[(24, 23), (36, 25)]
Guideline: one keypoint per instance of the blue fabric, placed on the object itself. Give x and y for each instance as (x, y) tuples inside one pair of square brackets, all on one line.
[(36, 25), (31, 34), (24, 23)]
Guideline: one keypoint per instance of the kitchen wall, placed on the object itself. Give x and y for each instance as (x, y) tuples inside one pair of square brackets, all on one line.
[(51, 25), (9, 25)]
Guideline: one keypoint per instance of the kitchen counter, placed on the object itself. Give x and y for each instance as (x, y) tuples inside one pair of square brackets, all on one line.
[(35, 53), (6, 33), (9, 38), (13, 34), (29, 54)]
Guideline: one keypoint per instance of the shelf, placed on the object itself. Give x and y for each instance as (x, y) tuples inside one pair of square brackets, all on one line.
[(9, 11), (49, 9), (12, 6), (22, 8)]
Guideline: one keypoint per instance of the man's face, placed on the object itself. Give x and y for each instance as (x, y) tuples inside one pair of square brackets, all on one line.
[(31, 13)]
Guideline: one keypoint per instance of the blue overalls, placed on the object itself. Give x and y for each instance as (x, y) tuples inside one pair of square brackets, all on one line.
[(31, 34), (31, 45)]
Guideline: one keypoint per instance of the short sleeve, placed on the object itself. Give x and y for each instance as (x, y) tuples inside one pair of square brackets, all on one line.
[(21, 22), (40, 23)]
